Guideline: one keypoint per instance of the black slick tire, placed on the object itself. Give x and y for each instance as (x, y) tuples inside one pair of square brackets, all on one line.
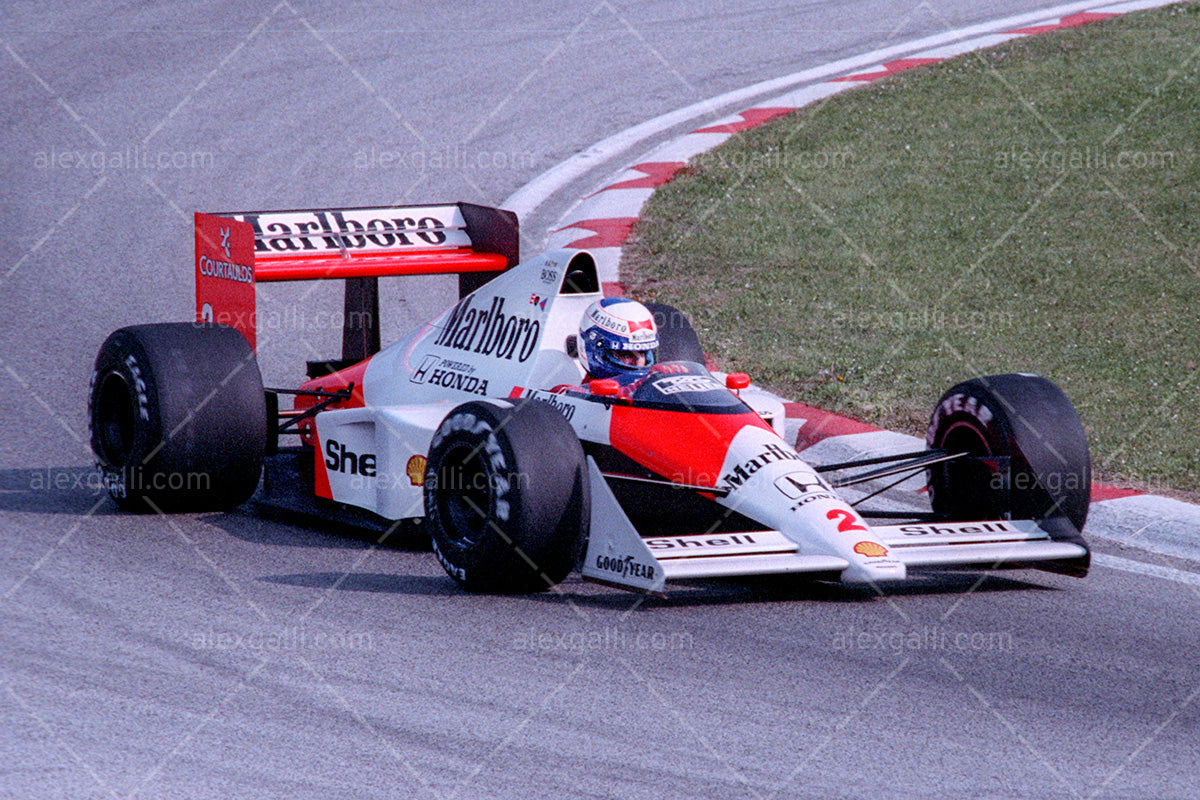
[(1029, 452), (507, 496), (178, 418)]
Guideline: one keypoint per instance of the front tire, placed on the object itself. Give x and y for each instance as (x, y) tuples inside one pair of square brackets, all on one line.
[(507, 497), (1028, 452), (178, 417)]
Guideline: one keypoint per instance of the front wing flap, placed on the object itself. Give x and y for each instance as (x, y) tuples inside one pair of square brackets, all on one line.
[(617, 555), (989, 544)]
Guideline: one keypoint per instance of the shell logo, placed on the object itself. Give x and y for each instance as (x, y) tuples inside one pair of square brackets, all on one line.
[(416, 470), (870, 549)]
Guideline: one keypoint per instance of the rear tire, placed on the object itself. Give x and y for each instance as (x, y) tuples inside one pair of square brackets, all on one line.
[(507, 497), (178, 417), (1025, 420)]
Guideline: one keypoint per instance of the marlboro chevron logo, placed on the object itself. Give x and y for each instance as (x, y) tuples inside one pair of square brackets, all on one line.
[(360, 229)]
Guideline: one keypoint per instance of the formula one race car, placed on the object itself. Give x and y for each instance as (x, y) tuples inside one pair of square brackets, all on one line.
[(483, 428)]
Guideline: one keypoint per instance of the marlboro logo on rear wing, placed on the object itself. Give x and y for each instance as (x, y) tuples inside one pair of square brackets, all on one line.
[(234, 251)]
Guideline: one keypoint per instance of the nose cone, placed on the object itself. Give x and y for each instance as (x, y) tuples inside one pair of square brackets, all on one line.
[(682, 447), (873, 570)]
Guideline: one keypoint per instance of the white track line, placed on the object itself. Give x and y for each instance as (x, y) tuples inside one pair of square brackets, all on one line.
[(530, 196), (1142, 568)]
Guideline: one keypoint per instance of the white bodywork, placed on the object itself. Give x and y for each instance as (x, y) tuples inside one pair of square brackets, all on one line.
[(510, 339)]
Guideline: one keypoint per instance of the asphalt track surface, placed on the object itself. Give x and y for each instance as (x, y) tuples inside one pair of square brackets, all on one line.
[(224, 655)]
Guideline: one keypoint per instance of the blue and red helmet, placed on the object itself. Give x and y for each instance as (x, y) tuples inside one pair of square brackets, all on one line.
[(617, 336)]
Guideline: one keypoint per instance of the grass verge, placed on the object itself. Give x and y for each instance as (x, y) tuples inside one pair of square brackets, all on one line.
[(1033, 208)]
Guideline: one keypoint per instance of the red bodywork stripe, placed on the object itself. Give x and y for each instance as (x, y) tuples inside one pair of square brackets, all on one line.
[(680, 446), (321, 487), (337, 382), (432, 262)]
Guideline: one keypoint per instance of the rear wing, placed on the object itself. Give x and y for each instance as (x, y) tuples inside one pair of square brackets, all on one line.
[(235, 251)]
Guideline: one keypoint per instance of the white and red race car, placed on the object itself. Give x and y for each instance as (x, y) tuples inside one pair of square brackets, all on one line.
[(480, 428)]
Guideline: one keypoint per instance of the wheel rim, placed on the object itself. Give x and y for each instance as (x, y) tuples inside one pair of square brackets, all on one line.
[(464, 494), (969, 483), (115, 420), (964, 438)]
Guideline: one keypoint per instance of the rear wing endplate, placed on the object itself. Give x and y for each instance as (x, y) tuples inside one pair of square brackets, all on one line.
[(235, 251)]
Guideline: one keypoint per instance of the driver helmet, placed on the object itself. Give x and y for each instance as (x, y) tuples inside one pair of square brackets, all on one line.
[(617, 336)]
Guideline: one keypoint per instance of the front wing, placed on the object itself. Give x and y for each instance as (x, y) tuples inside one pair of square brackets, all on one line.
[(618, 555)]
